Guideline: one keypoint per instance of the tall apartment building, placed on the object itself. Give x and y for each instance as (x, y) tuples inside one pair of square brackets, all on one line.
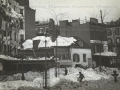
[(91, 32), (113, 36), (11, 22), (29, 15)]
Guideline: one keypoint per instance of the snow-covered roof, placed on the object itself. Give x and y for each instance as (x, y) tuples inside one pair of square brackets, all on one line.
[(61, 41), (4, 57), (106, 54), (39, 58), (8, 57)]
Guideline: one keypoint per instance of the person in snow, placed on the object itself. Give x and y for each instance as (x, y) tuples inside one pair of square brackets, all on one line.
[(66, 71), (81, 76)]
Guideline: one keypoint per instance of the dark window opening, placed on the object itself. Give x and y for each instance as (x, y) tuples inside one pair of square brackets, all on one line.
[(4, 33), (21, 38), (84, 57), (5, 49), (21, 11), (21, 24)]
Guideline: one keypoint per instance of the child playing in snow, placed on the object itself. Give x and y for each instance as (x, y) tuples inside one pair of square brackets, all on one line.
[(81, 76)]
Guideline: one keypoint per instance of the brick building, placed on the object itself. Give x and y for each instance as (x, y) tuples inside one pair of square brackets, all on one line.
[(91, 32), (29, 18), (10, 26), (47, 26), (113, 36)]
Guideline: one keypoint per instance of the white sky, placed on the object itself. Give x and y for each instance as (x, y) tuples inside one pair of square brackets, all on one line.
[(76, 8)]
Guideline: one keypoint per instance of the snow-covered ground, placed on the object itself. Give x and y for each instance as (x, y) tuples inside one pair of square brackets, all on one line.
[(35, 79)]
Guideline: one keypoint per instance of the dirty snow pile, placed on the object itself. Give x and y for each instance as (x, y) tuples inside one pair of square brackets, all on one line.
[(73, 74), (36, 78), (29, 76)]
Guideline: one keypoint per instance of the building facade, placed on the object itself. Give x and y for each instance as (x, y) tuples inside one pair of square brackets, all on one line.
[(91, 32), (113, 36), (29, 22), (10, 27), (47, 26)]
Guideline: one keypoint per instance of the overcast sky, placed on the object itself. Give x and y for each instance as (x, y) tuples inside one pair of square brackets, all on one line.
[(76, 9)]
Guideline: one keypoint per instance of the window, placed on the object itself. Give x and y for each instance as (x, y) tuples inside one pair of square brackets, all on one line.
[(21, 38), (80, 43), (63, 56), (67, 56), (109, 32), (21, 24), (21, 11), (76, 58), (10, 35), (95, 48), (4, 33), (110, 41), (59, 56), (118, 40), (5, 49), (84, 57), (117, 31)]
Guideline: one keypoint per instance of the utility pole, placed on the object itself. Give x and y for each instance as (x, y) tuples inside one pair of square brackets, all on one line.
[(21, 57), (23, 78), (100, 48), (56, 53), (101, 38), (45, 61)]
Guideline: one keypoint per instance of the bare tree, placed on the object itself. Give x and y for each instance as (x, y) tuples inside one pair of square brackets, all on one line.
[(57, 16), (96, 14), (105, 13), (93, 14)]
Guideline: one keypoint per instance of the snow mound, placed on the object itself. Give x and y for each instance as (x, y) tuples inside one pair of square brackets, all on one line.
[(35, 79)]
